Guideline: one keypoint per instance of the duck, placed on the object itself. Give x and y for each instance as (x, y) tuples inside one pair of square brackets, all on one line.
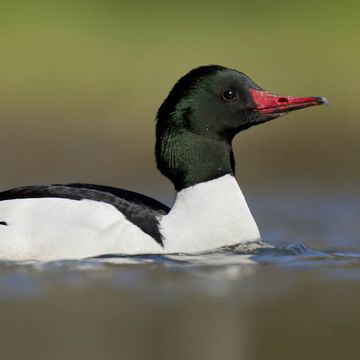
[(195, 127)]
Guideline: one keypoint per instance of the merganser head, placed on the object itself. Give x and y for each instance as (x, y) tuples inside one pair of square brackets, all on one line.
[(201, 115)]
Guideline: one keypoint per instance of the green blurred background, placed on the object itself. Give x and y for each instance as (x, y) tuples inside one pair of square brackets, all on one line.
[(81, 81)]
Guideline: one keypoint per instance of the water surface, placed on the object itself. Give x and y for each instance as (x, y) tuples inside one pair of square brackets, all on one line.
[(295, 299)]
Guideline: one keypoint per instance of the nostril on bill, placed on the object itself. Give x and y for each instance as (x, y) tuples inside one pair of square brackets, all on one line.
[(282, 100)]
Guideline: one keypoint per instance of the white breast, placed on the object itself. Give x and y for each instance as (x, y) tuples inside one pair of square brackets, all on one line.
[(56, 228), (207, 216)]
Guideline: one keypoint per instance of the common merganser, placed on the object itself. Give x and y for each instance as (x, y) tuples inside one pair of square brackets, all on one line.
[(195, 127)]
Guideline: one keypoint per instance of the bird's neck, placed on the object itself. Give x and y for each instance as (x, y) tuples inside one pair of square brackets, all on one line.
[(188, 159)]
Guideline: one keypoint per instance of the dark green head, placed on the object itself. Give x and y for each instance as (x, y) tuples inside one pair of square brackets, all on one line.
[(202, 113)]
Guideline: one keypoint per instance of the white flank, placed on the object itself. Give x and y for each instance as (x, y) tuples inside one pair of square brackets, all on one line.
[(207, 216), (204, 217), (54, 228)]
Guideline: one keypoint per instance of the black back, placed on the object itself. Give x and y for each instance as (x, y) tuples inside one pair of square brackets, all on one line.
[(139, 209)]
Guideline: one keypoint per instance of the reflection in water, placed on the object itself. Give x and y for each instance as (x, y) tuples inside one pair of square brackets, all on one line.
[(289, 300)]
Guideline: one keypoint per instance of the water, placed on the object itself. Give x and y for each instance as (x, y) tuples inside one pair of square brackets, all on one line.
[(297, 298)]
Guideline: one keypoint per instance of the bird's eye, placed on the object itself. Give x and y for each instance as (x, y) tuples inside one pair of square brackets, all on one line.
[(229, 95)]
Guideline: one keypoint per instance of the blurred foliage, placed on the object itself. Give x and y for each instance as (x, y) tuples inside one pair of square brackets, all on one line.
[(80, 83)]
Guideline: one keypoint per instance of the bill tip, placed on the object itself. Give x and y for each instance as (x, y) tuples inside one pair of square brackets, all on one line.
[(325, 101)]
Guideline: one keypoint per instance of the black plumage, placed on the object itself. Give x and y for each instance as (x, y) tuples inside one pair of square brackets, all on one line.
[(139, 209)]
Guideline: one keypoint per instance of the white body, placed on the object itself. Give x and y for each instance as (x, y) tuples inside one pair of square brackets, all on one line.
[(204, 217), (207, 216)]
